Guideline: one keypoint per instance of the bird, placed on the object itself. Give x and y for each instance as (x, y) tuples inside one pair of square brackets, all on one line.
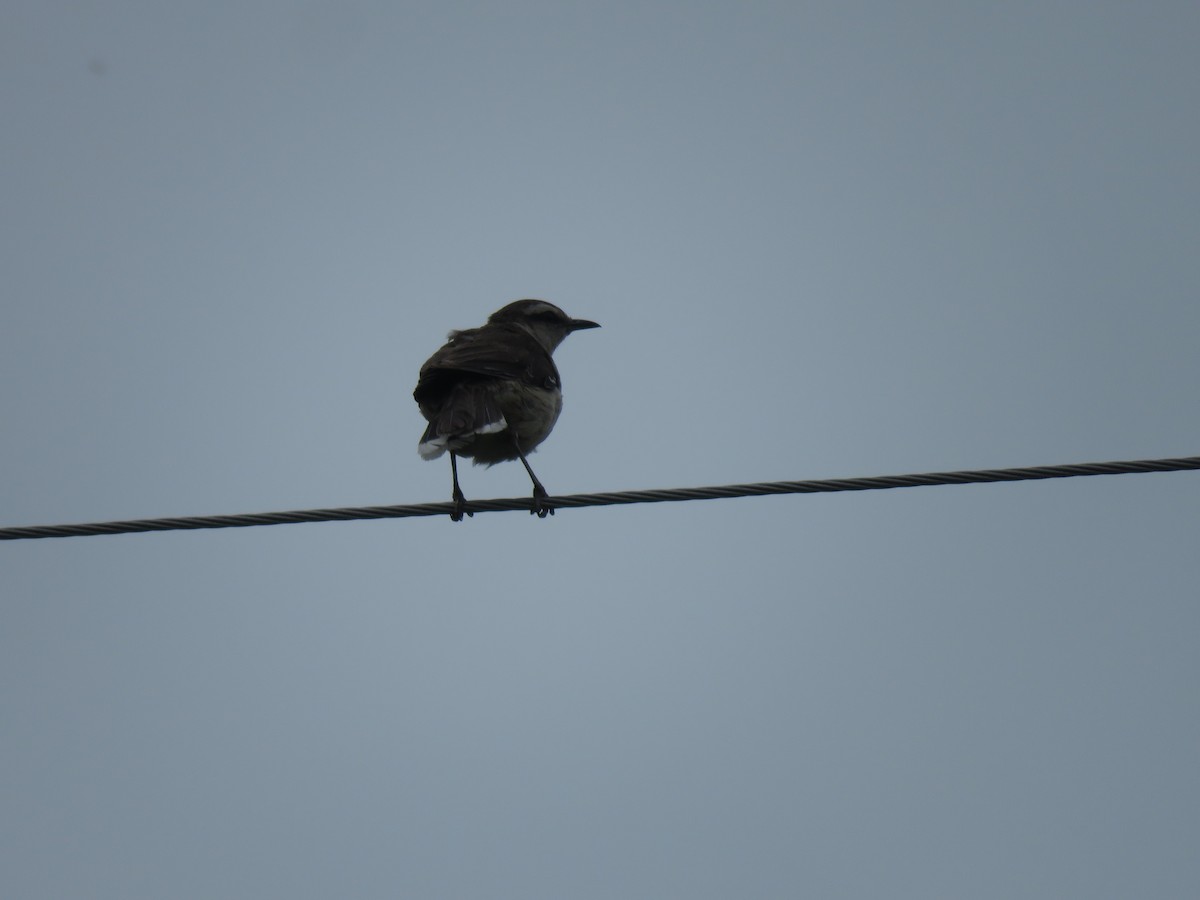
[(494, 393)]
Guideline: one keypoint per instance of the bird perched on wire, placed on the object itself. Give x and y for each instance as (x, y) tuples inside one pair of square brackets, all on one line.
[(494, 393)]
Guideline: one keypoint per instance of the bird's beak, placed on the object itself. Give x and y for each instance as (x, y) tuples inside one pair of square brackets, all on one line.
[(580, 324)]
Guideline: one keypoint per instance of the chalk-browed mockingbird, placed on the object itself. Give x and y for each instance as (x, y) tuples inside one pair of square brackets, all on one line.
[(493, 393)]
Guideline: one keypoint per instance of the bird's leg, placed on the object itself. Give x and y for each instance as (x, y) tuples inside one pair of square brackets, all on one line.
[(541, 500), (459, 500)]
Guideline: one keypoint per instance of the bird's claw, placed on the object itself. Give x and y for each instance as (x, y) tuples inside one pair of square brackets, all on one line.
[(460, 504), (541, 503)]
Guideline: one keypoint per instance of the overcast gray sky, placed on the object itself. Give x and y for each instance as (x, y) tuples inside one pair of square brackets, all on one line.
[(823, 239)]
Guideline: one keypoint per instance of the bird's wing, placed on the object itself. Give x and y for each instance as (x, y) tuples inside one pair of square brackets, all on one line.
[(490, 352)]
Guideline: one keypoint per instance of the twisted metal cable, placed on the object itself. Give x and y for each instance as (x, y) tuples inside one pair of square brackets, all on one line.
[(572, 501)]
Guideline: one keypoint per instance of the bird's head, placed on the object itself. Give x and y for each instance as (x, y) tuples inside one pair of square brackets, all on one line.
[(548, 324)]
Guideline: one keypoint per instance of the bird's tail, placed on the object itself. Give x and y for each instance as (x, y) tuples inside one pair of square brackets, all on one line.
[(469, 410)]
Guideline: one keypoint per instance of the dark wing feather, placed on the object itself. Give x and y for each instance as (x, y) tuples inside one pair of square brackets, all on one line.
[(492, 352)]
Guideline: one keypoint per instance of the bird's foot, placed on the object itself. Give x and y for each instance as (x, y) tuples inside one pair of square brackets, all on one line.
[(541, 503), (460, 507)]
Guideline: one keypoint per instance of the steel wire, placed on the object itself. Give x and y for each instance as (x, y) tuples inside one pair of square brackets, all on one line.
[(613, 498)]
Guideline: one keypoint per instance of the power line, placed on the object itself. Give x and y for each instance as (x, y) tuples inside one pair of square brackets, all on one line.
[(572, 501)]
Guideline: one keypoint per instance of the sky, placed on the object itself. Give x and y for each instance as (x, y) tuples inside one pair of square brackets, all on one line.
[(822, 239)]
